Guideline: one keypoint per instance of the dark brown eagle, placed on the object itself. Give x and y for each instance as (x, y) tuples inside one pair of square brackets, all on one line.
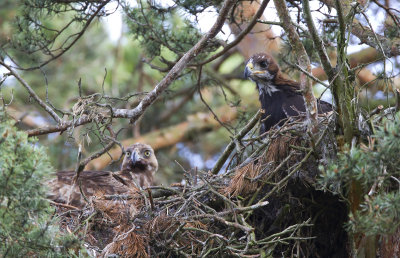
[(137, 169), (280, 97)]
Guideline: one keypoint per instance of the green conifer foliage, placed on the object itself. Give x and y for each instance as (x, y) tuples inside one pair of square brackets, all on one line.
[(157, 26), (26, 227), (377, 168)]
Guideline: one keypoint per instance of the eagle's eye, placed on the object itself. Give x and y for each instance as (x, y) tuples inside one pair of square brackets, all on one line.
[(128, 153), (147, 153), (263, 64)]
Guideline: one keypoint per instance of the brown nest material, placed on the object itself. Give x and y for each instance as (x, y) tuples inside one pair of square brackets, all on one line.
[(270, 206), (248, 178), (168, 233), (284, 148), (119, 208), (126, 244)]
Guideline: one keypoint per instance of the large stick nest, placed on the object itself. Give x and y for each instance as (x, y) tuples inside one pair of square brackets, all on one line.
[(266, 203)]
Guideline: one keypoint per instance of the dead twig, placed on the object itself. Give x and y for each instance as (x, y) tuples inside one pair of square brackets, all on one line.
[(231, 146)]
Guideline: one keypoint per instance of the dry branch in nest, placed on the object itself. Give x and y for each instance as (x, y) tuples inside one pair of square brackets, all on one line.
[(248, 178), (286, 146), (265, 208), (126, 244), (121, 208)]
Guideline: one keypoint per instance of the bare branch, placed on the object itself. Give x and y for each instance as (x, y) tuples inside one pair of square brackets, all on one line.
[(205, 103), (303, 60), (228, 150), (318, 43), (60, 127), (391, 47), (395, 18), (241, 35), (32, 93)]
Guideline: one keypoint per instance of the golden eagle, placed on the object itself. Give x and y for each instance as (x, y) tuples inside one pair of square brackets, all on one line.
[(280, 97)]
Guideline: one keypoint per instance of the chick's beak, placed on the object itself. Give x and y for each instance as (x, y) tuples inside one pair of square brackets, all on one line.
[(135, 157), (248, 70)]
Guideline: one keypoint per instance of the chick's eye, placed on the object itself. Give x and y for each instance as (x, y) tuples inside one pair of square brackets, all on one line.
[(147, 153), (128, 153), (263, 64)]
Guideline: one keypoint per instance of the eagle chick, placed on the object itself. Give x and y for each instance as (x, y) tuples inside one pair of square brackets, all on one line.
[(138, 168)]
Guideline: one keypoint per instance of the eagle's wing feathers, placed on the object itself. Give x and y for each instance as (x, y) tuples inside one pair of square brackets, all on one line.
[(294, 106), (92, 182)]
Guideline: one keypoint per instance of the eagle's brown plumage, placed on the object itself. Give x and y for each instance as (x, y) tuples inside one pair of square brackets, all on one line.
[(280, 97), (137, 169)]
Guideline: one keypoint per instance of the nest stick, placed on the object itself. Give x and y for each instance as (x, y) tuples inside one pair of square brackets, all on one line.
[(231, 146)]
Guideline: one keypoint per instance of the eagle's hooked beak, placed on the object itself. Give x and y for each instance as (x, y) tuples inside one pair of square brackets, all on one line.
[(135, 157), (248, 70)]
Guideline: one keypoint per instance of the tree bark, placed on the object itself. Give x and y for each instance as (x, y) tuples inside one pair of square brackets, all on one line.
[(303, 61)]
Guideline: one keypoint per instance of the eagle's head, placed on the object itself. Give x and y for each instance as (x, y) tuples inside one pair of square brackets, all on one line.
[(261, 68), (140, 158)]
